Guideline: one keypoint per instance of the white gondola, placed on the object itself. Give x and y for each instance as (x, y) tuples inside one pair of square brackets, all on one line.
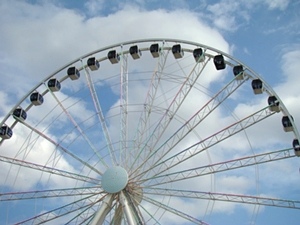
[(177, 51), (113, 56), (20, 114), (296, 147), (257, 86), (154, 49), (54, 85), (36, 98), (93, 63), (273, 104), (286, 123), (135, 52), (238, 72), (198, 55), (6, 132), (219, 62)]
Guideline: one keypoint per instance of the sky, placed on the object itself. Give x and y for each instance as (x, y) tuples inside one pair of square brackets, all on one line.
[(39, 37)]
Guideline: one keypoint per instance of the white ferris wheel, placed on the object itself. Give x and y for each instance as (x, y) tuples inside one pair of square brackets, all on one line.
[(156, 131)]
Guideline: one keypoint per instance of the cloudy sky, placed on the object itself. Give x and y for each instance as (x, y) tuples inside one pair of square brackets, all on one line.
[(39, 37)]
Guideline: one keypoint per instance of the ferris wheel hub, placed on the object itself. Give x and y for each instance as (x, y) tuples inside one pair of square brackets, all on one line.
[(114, 179)]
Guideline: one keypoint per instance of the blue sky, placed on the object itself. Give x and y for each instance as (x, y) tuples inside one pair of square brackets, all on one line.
[(38, 37)]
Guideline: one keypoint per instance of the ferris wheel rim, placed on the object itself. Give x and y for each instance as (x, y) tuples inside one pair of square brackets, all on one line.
[(268, 89)]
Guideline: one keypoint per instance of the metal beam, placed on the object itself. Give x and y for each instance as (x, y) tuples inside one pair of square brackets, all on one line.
[(103, 211), (248, 199), (222, 166)]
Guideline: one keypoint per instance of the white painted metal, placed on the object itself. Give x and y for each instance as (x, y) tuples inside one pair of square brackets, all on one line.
[(246, 199), (103, 211), (127, 209), (100, 115), (123, 106), (149, 162), (114, 180)]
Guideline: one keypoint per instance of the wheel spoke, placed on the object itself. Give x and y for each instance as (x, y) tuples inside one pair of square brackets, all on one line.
[(100, 116), (76, 125), (222, 166), (193, 122), (171, 111), (210, 141), (145, 141), (150, 215), (247, 199), (50, 170), (60, 211), (174, 211), (61, 148), (124, 108), (50, 193), (81, 218), (144, 118)]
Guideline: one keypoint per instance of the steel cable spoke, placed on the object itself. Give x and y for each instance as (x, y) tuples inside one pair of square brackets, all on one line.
[(123, 108), (171, 111), (194, 121), (174, 211), (247, 199), (100, 116), (61, 211), (61, 148), (144, 118), (210, 141), (222, 166), (54, 193), (76, 125), (148, 142)]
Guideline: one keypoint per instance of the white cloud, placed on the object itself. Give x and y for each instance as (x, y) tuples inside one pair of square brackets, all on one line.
[(38, 151), (288, 89), (5, 103), (230, 15), (94, 6), (223, 14), (38, 42), (38, 39), (277, 4)]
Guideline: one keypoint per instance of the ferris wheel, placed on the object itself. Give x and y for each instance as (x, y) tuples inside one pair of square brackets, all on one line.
[(155, 131)]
